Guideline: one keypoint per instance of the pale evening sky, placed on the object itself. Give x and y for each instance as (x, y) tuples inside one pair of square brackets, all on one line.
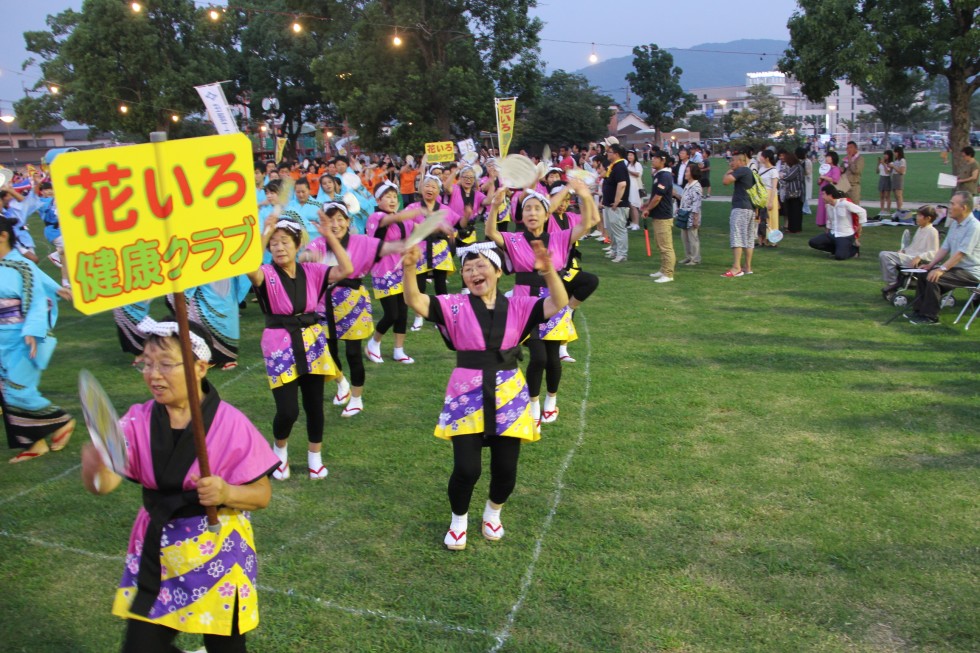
[(617, 24)]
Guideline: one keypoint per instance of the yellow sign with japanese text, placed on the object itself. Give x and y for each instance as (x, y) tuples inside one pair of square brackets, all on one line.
[(440, 152), (506, 109), (146, 220)]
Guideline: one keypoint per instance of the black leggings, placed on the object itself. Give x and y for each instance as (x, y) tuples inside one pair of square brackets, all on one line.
[(544, 357), (395, 313), (355, 360), (439, 281), (287, 407), (468, 464), (144, 637), (582, 286)]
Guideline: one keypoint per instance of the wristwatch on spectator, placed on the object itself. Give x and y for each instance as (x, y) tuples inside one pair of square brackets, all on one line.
[(943, 268)]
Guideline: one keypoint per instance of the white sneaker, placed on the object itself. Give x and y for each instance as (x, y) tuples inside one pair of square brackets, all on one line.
[(656, 275), (595, 234), (455, 541), (493, 531), (619, 259), (663, 280)]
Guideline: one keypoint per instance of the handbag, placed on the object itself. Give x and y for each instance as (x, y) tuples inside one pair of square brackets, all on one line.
[(683, 219), (843, 184)]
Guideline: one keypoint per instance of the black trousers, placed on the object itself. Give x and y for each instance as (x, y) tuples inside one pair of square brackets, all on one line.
[(793, 207), (544, 358), (468, 465), (929, 294), (287, 407), (353, 352), (841, 248), (144, 637)]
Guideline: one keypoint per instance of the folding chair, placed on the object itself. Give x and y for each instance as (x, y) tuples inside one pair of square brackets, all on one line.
[(973, 298)]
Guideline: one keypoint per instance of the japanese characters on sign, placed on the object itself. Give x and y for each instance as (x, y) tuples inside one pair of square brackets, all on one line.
[(505, 122), (146, 220), (440, 152)]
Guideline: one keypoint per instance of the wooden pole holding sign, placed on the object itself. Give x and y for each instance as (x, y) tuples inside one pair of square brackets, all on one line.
[(193, 396), (143, 221)]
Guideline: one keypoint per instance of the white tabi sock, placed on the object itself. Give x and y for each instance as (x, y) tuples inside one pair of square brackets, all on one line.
[(315, 460), (343, 387), (400, 352), (417, 324), (491, 515), (535, 410), (550, 402), (562, 351), (282, 453), (356, 402), (459, 522)]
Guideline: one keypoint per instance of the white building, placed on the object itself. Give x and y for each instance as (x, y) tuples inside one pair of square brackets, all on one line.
[(843, 104)]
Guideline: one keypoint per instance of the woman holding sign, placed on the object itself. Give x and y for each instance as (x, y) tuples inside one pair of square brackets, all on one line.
[(179, 576), (294, 343), (28, 311), (487, 401)]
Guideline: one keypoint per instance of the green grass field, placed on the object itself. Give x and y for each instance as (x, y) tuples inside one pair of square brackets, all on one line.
[(752, 464), (920, 180)]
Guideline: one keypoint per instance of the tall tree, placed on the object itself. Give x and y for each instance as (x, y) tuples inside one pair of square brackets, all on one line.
[(763, 117), (274, 61), (702, 124), (940, 37), (107, 56), (894, 93), (569, 111), (657, 81), (454, 55)]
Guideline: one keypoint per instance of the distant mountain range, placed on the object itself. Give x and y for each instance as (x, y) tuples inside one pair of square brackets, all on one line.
[(708, 64)]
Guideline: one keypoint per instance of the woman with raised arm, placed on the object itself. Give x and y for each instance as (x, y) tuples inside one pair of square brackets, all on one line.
[(294, 343), (389, 224), (487, 401), (349, 313), (28, 312), (545, 342), (437, 258), (579, 284)]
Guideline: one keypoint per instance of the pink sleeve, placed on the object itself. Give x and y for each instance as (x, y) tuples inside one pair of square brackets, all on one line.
[(244, 456), (318, 247)]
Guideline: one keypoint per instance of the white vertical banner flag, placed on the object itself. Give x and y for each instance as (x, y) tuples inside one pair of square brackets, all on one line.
[(218, 110)]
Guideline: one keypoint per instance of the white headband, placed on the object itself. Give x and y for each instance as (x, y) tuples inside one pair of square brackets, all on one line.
[(489, 250), (432, 178), (556, 189), (383, 188), (289, 224), (149, 326), (340, 206), (538, 196)]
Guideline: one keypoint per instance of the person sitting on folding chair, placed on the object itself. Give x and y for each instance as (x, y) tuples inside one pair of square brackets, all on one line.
[(922, 248), (960, 270)]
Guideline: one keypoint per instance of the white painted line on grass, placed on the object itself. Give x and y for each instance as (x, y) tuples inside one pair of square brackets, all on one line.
[(42, 483), (378, 614), (503, 634), (61, 547), (234, 378), (324, 603)]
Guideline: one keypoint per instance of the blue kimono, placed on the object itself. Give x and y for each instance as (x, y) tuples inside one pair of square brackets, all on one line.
[(28, 307)]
